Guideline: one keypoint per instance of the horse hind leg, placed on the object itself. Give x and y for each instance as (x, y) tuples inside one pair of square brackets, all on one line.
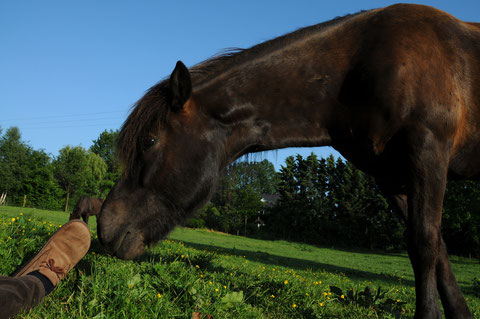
[(454, 304), (85, 218), (427, 252)]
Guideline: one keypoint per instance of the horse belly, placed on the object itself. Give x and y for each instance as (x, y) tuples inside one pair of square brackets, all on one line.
[(465, 163)]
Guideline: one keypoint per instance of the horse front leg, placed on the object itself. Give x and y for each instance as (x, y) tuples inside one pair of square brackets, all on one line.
[(425, 245)]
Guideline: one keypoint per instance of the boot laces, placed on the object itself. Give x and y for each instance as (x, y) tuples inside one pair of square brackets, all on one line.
[(50, 264)]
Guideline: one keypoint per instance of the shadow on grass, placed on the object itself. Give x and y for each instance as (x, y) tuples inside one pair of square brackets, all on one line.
[(270, 259), (299, 264)]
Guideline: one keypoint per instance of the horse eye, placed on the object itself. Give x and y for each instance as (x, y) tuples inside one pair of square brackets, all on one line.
[(148, 143)]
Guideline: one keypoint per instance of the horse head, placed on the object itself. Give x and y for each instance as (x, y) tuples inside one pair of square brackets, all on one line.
[(171, 153)]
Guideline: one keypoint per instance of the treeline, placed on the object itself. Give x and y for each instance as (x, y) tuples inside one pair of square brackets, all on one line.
[(36, 179), (322, 201), (328, 202)]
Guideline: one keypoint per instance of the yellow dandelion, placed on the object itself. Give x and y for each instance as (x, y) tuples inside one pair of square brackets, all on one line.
[(201, 275), (210, 283), (159, 295), (60, 225), (294, 306), (224, 287), (286, 282), (197, 266), (306, 294), (130, 286), (29, 220), (342, 296), (93, 253), (325, 294), (13, 219), (320, 304), (216, 289), (21, 214), (272, 296)]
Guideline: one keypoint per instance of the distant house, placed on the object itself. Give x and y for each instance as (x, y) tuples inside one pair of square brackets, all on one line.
[(268, 200)]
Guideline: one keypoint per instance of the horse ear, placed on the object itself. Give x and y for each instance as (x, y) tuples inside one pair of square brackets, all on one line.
[(180, 86)]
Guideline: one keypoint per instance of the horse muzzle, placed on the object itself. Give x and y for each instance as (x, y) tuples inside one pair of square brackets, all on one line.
[(119, 239)]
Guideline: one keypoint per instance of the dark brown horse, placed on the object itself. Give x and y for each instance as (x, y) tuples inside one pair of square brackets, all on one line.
[(86, 207), (395, 90)]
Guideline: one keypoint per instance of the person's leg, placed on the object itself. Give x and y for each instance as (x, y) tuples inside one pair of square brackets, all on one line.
[(36, 279), (18, 294)]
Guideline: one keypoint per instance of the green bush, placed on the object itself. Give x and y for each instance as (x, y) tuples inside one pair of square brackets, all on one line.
[(195, 223)]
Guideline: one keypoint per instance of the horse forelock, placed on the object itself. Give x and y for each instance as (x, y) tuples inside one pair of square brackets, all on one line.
[(147, 115)]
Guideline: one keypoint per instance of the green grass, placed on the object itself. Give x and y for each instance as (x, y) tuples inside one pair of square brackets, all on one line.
[(221, 275), (56, 217)]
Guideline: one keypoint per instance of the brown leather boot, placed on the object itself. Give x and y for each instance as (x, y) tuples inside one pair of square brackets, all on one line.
[(61, 252)]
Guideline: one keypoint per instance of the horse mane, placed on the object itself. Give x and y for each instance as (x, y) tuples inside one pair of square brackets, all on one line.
[(149, 112), (230, 57)]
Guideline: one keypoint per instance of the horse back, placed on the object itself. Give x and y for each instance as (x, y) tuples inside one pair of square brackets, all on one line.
[(96, 205), (87, 205), (416, 66)]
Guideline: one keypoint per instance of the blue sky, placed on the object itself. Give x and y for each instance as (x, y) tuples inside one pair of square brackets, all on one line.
[(69, 70)]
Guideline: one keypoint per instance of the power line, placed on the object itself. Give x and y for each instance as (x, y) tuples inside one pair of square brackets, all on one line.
[(71, 126), (60, 116), (69, 121)]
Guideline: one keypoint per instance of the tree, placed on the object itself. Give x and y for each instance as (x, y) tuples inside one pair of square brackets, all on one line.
[(261, 176), (26, 172), (13, 159), (281, 220), (40, 186), (96, 172), (247, 205), (461, 217), (330, 201), (79, 172), (104, 147), (237, 199), (71, 170)]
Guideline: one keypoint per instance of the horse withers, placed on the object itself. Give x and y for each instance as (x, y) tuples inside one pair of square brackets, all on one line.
[(86, 207), (395, 90)]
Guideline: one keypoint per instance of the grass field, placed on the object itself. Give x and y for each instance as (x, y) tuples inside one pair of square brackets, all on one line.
[(197, 271)]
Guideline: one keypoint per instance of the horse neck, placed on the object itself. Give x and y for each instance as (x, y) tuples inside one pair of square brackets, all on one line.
[(286, 99)]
